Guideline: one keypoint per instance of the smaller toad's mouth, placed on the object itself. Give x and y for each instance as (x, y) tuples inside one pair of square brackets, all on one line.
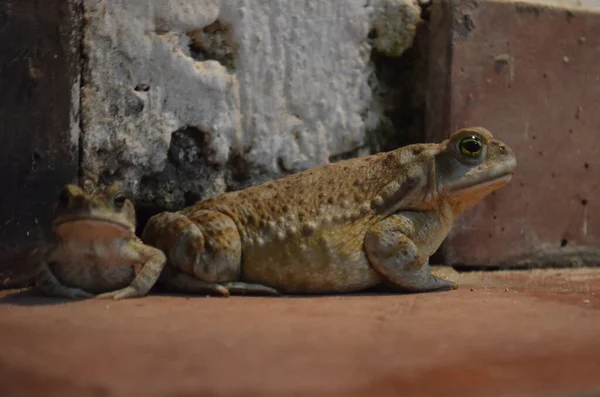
[(73, 220)]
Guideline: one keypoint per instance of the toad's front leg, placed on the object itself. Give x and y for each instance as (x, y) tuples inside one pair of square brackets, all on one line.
[(399, 248), (153, 260)]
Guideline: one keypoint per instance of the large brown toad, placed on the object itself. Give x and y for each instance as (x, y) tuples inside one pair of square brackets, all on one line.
[(342, 227)]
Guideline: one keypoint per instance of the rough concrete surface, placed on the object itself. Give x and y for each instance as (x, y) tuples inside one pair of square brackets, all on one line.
[(529, 73), (500, 334), (186, 99)]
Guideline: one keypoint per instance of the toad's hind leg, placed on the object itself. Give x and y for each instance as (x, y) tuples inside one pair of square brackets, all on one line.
[(238, 287), (46, 281), (179, 281), (176, 280), (49, 285), (392, 251), (203, 250)]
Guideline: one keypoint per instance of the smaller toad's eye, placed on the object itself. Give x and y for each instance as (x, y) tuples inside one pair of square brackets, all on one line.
[(471, 146), (119, 200)]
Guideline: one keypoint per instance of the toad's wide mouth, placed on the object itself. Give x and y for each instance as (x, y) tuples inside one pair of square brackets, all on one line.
[(498, 181), (88, 220)]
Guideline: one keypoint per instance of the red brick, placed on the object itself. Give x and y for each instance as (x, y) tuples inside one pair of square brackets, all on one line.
[(529, 73)]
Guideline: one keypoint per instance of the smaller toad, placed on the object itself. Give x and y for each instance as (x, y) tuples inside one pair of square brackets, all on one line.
[(95, 251)]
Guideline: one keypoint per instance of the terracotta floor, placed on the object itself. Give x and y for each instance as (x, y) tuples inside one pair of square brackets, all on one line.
[(500, 334)]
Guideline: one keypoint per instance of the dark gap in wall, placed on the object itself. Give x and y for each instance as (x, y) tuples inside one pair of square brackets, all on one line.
[(143, 213), (403, 85), (83, 62), (214, 41)]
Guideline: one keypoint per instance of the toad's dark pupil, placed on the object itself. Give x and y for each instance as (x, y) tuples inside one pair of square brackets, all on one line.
[(471, 145), (119, 200)]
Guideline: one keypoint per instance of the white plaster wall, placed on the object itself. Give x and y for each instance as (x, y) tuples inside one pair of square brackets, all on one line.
[(298, 91)]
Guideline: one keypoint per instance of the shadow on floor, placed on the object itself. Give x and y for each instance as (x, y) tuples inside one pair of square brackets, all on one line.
[(31, 297)]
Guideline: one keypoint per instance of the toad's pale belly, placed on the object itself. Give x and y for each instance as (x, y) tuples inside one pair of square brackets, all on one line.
[(95, 278), (317, 264), (95, 268)]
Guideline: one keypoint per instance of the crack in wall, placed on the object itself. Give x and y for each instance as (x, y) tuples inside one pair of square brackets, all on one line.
[(82, 79), (399, 86)]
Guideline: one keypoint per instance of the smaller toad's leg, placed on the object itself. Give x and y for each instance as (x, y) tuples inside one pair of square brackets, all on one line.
[(178, 281), (391, 250), (245, 288), (153, 261), (48, 284)]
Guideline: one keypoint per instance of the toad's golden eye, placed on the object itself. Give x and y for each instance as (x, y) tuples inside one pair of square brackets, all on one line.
[(470, 146)]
